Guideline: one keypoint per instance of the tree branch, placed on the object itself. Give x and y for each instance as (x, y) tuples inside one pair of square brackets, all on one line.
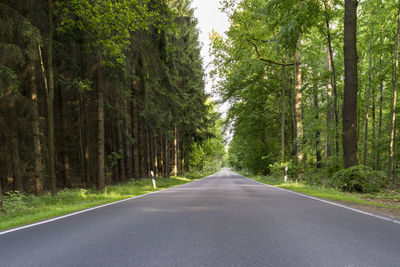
[(269, 60)]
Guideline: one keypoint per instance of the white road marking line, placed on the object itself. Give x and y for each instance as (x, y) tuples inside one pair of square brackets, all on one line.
[(329, 202)]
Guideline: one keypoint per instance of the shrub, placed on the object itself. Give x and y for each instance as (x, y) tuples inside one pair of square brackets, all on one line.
[(277, 169), (360, 179), (314, 176)]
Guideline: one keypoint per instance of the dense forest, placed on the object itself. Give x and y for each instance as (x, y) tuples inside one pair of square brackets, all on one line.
[(98, 92), (311, 85)]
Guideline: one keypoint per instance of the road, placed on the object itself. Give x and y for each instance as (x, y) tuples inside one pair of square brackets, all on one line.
[(222, 220)]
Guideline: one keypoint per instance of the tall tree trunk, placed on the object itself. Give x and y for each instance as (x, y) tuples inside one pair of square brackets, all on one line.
[(121, 161), (64, 141), (293, 121), (393, 111), (156, 157), (142, 150), (135, 128), (50, 100), (283, 114), (86, 140), (148, 152), (162, 155), (167, 153), (334, 78), (350, 153), (100, 125), (85, 125), (16, 159), (298, 101), (127, 138), (318, 132), (378, 152), (188, 161), (37, 157), (175, 151), (368, 97), (182, 170), (329, 109)]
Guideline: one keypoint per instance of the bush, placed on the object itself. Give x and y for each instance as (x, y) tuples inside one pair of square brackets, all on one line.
[(360, 179), (315, 176), (277, 169)]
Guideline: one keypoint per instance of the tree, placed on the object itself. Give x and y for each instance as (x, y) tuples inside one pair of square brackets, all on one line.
[(350, 150), (393, 110)]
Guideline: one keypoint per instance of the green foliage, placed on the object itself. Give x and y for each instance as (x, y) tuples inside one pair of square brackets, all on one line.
[(360, 179), (13, 200), (277, 169), (248, 73), (208, 155)]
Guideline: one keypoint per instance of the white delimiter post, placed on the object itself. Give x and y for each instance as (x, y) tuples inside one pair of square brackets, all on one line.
[(152, 178), (286, 170)]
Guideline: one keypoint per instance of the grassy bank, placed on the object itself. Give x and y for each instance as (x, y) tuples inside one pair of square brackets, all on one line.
[(19, 209), (384, 199)]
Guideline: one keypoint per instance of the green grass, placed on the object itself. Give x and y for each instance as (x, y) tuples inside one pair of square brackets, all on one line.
[(19, 209), (382, 199)]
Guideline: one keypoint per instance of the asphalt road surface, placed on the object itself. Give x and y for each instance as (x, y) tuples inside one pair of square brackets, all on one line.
[(222, 220)]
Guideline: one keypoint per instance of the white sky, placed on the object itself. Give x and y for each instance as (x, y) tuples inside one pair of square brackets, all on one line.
[(210, 17)]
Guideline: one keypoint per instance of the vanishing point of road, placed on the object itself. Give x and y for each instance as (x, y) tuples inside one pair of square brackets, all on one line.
[(221, 220)]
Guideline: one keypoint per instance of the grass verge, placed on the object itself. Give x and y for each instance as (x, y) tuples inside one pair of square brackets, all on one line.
[(19, 209), (385, 199)]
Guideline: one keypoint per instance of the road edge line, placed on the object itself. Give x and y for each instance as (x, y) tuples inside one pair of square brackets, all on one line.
[(89, 209), (329, 202)]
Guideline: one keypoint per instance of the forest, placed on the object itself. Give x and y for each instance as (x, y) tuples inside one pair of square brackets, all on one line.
[(99, 92), (311, 85)]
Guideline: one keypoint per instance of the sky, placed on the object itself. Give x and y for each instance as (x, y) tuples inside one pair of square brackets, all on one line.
[(210, 17)]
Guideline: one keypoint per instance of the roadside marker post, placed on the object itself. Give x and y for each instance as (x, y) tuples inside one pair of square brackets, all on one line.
[(153, 180), (286, 170)]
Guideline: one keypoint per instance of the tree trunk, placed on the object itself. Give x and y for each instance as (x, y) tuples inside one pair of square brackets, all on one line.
[(156, 157), (121, 161), (127, 142), (188, 161), (175, 151), (350, 153), (182, 158), (86, 142), (64, 141), (148, 153), (50, 100), (142, 150), (16, 159), (334, 79), (329, 109), (100, 125), (162, 156), (135, 127), (378, 152), (393, 110), (298, 101), (293, 121), (317, 133), (368, 97), (283, 114), (37, 156), (167, 152)]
